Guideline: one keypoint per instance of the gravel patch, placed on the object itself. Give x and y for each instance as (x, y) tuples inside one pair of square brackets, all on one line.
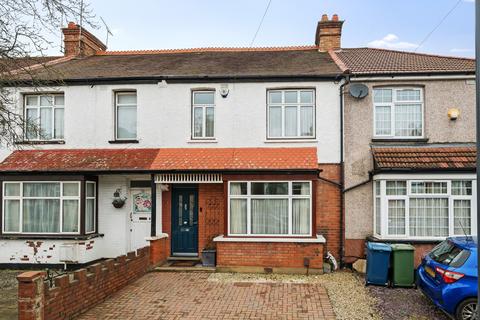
[(8, 296), (404, 304), (349, 297)]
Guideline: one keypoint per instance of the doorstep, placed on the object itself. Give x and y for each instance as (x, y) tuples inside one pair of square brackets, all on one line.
[(183, 264)]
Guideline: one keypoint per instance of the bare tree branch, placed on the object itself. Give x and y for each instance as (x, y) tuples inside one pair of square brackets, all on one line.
[(25, 26)]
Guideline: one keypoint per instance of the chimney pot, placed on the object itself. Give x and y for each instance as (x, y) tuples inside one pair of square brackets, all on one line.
[(72, 25), (329, 33)]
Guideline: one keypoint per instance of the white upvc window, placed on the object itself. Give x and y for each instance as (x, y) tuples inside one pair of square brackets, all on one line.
[(126, 115), (90, 206), (203, 114), (398, 112), (424, 208), (291, 114), (44, 114), (41, 207), (273, 208)]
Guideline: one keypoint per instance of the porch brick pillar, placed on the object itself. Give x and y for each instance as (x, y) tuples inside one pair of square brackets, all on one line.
[(153, 221), (31, 295)]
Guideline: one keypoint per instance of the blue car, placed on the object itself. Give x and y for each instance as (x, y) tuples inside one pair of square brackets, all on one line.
[(448, 276)]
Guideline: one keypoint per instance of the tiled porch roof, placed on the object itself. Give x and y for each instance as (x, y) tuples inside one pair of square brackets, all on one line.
[(425, 157), (166, 159)]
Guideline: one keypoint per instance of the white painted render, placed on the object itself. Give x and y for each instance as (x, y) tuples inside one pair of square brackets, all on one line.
[(164, 116), (114, 224)]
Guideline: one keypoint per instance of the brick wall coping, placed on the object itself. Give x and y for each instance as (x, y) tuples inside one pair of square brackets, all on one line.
[(317, 239), (157, 237)]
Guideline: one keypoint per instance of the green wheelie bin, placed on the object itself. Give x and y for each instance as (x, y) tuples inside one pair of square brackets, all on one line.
[(403, 274)]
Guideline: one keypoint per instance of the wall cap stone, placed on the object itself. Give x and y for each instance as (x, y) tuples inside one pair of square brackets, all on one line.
[(317, 239)]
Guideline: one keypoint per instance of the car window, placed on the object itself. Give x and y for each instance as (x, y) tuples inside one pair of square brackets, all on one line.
[(448, 254)]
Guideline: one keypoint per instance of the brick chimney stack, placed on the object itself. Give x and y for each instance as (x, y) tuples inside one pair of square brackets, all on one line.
[(79, 42), (329, 33)]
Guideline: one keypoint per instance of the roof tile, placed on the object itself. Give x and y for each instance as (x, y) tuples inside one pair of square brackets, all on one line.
[(424, 157), (167, 159)]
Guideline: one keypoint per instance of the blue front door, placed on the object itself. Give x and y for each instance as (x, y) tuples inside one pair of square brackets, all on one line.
[(184, 221)]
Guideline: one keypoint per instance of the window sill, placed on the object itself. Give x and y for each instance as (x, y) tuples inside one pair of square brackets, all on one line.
[(317, 239), (401, 140), (404, 240), (202, 141), (123, 141), (50, 236), (40, 142), (312, 140)]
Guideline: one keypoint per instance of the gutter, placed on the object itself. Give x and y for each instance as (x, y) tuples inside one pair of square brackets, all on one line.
[(413, 77)]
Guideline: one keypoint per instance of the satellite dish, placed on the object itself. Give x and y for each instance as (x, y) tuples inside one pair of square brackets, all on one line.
[(358, 90)]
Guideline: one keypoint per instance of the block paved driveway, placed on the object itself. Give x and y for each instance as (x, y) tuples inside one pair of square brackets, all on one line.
[(192, 296)]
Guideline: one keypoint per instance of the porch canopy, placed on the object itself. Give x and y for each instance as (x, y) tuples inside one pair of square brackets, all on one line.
[(454, 157), (152, 160)]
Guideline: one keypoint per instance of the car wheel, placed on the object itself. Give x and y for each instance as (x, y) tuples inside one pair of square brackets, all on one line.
[(466, 310)]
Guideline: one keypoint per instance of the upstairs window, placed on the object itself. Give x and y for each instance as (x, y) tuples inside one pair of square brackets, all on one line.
[(203, 115), (44, 117), (398, 112), (125, 115), (291, 114)]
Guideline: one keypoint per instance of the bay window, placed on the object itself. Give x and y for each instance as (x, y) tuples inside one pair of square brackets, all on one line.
[(46, 207), (423, 209), (291, 114), (44, 116), (270, 208), (398, 112)]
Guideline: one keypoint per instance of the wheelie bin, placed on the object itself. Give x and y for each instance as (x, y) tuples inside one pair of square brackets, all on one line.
[(378, 261)]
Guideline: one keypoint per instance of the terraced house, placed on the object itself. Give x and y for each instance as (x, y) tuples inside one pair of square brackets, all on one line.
[(263, 154)]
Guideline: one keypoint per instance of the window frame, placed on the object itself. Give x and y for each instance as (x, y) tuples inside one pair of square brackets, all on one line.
[(116, 113), (61, 198), (392, 106), (384, 198), (204, 115), (299, 105), (249, 197), (38, 108), (94, 198)]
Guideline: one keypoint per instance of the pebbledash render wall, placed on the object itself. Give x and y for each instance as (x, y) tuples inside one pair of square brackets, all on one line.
[(439, 96), (71, 296)]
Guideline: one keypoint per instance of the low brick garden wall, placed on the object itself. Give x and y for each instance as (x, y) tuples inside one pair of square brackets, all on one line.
[(288, 257), (77, 292)]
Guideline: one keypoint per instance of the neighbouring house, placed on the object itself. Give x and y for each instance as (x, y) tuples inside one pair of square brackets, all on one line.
[(236, 149), (260, 153), (409, 148)]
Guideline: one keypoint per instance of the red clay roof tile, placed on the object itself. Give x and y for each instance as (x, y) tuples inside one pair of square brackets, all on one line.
[(167, 159), (383, 61), (432, 157)]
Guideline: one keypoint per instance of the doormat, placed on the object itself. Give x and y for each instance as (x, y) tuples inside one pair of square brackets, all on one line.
[(182, 263)]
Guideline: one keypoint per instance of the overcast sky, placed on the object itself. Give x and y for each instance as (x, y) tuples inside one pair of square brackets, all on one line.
[(395, 24)]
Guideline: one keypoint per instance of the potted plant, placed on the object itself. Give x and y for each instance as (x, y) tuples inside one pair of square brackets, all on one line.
[(209, 254)]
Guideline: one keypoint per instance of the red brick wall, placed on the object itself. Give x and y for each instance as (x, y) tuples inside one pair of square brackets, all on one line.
[(211, 210), (329, 208), (269, 254), (158, 251), (167, 218), (36, 300)]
